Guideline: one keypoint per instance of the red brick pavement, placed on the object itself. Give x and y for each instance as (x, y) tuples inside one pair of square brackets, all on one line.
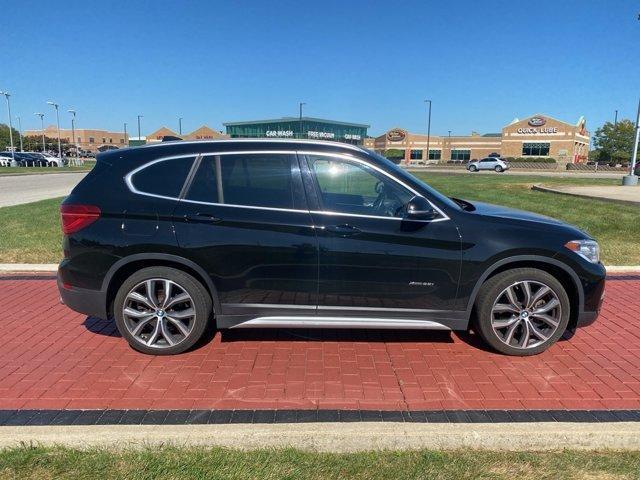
[(53, 358)]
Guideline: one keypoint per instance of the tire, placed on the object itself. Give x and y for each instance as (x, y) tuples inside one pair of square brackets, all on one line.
[(510, 336), (473, 168), (499, 169), (181, 324)]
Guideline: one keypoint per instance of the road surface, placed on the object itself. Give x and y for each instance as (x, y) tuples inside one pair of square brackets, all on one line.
[(17, 189)]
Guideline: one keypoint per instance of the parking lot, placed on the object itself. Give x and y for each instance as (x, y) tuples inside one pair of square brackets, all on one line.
[(31, 188), (54, 358)]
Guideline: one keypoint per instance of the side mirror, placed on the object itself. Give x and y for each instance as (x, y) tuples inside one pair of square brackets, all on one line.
[(419, 208)]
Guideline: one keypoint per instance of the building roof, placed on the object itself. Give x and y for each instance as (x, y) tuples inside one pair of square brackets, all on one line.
[(162, 132), (295, 119), (204, 132)]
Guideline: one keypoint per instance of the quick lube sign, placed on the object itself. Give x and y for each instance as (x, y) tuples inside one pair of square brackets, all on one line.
[(536, 127)]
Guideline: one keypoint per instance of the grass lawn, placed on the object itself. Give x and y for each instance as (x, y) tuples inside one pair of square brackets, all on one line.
[(200, 462), (6, 171), (31, 233)]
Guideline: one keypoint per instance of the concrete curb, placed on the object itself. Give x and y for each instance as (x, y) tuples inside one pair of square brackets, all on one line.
[(338, 437), (541, 188), (28, 267), (53, 267)]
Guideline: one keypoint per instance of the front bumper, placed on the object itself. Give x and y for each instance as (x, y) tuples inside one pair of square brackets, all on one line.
[(82, 300)]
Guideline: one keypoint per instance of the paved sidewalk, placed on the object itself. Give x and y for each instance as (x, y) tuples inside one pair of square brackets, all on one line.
[(619, 194), (53, 358), (337, 437)]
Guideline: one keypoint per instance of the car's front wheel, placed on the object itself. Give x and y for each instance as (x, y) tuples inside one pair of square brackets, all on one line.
[(162, 310), (522, 311), (473, 168)]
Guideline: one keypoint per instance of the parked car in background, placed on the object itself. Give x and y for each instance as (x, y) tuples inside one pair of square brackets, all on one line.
[(46, 160), (26, 159), (5, 159), (171, 238), (488, 163)]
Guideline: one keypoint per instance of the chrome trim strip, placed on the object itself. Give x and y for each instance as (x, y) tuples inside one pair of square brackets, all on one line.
[(269, 305), (334, 307), (338, 322), (381, 309), (128, 181)]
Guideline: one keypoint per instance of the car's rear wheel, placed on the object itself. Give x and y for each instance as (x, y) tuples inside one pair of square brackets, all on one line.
[(162, 310), (522, 311), (499, 169)]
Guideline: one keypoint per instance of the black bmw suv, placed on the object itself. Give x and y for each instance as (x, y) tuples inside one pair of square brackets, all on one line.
[(269, 233)]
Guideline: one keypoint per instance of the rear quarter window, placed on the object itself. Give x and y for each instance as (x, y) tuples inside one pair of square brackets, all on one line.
[(164, 178)]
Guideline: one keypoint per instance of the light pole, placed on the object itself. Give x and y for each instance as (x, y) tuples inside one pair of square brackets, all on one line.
[(55, 105), (20, 132), (428, 127), (139, 137), (125, 134), (73, 134), (180, 125), (632, 178), (300, 118), (13, 156), (615, 119), (41, 115)]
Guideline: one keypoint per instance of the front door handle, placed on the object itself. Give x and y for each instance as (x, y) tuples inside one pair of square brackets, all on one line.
[(343, 230), (202, 217)]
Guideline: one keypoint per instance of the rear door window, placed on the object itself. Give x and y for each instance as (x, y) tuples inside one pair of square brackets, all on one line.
[(164, 178), (260, 180)]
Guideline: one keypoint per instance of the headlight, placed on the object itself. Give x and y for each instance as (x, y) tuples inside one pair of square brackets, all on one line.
[(588, 249)]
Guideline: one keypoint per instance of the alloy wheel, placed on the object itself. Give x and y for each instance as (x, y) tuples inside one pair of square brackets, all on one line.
[(526, 314), (159, 313)]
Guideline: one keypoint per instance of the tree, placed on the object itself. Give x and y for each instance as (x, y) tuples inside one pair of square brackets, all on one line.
[(5, 141), (33, 143), (615, 142)]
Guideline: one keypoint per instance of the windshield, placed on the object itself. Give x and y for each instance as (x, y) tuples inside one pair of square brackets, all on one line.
[(402, 173)]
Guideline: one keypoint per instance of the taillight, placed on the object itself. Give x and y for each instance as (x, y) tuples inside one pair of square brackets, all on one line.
[(76, 217)]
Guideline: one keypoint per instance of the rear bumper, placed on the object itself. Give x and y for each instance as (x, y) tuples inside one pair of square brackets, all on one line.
[(82, 300)]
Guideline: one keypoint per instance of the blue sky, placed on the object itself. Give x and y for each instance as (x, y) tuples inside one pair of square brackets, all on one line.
[(481, 62)]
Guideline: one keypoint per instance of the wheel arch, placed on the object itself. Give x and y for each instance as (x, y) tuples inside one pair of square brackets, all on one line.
[(565, 275), (126, 266)]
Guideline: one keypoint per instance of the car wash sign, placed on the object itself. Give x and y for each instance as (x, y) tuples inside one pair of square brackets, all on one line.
[(536, 126)]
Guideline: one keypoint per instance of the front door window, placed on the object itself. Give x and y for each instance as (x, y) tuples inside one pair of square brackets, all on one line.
[(350, 187)]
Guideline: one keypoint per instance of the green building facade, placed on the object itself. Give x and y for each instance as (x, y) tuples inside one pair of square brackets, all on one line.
[(293, 127)]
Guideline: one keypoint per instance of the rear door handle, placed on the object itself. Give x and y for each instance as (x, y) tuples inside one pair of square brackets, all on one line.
[(202, 217), (344, 230)]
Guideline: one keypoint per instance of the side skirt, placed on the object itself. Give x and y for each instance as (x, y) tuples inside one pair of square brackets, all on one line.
[(360, 322)]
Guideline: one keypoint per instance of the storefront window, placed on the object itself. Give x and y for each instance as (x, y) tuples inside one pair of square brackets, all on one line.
[(535, 149), (460, 154), (435, 154), (416, 154)]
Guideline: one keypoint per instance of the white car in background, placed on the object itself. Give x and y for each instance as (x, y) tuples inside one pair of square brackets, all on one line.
[(5, 160), (488, 163), (47, 160)]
